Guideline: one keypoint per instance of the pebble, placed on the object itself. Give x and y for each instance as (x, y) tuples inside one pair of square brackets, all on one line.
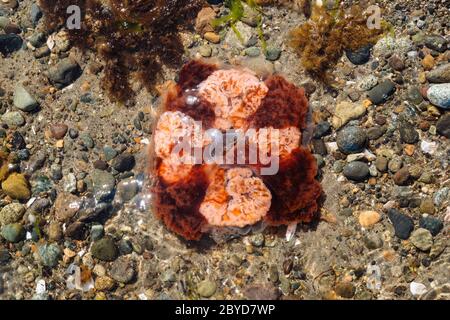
[(123, 270), (205, 51), (259, 65), (425, 177), (11, 213), (109, 153), (100, 165), (441, 195), (104, 283), (212, 37), (257, 240), (368, 83), (427, 206), (124, 162), (403, 225), (422, 239), (436, 42), (432, 224), (428, 147), (49, 254), (438, 247), (381, 93), (70, 183), (4, 21), (73, 133), (54, 231), (102, 184), (415, 96), (409, 149), (273, 54), (64, 73), (439, 95), (360, 56), (127, 189), (443, 125), (373, 170), (261, 292), (381, 163), (59, 130), (10, 43), (428, 62), (408, 133), (351, 140), (13, 119), (338, 166), (346, 111), (97, 232), (35, 14), (76, 231), (23, 100), (87, 140), (417, 289), (401, 177), (204, 19), (395, 164), (125, 246), (104, 249), (439, 75), (356, 171), (252, 52), (66, 206), (374, 133), (206, 288), (322, 129), (368, 218), (42, 52), (13, 232), (396, 63), (16, 186), (390, 45), (37, 39), (345, 289), (373, 241), (5, 257), (319, 147)]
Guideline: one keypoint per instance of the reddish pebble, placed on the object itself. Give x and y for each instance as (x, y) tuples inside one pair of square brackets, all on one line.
[(58, 130)]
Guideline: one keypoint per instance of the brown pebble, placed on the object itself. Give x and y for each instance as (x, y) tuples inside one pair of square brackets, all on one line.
[(100, 164), (345, 289), (424, 125), (402, 176), (409, 149), (380, 120), (59, 130), (396, 63), (12, 28), (212, 37), (428, 62)]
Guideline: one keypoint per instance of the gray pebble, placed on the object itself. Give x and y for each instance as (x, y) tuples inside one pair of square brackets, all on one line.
[(23, 100)]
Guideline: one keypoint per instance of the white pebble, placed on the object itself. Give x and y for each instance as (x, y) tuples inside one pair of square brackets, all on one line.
[(417, 288), (428, 147)]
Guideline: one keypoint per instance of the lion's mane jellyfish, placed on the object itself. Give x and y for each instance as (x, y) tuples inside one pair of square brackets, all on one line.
[(193, 196)]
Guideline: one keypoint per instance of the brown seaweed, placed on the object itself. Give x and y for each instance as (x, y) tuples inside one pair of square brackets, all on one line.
[(134, 38), (323, 39)]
